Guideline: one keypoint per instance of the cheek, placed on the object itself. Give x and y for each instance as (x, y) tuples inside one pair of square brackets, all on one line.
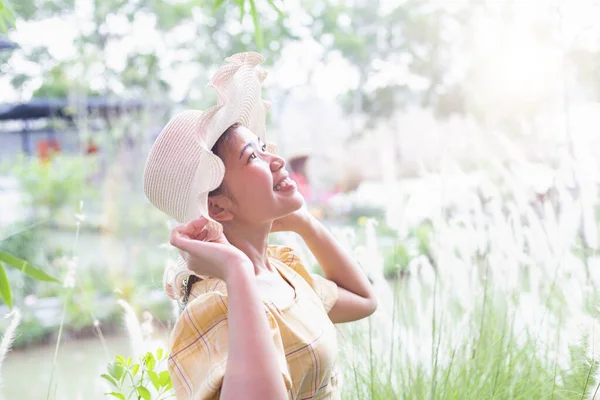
[(253, 186)]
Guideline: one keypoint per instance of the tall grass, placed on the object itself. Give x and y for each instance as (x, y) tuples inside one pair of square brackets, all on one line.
[(504, 307), (69, 285)]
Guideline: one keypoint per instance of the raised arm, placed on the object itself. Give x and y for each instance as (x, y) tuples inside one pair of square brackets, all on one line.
[(252, 370), (356, 297)]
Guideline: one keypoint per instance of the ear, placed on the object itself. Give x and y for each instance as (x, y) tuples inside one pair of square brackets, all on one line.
[(219, 208)]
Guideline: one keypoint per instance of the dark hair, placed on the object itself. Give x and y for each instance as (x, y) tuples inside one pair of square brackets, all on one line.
[(217, 149)]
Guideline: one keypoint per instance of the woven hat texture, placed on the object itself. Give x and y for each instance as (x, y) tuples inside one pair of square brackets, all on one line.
[(181, 169)]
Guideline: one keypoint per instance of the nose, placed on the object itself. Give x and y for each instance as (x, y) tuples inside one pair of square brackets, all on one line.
[(277, 163)]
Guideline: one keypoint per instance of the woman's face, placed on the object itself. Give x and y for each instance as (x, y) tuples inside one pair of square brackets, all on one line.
[(258, 189)]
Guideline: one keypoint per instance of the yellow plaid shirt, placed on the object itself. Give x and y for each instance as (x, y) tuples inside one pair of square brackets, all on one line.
[(302, 332)]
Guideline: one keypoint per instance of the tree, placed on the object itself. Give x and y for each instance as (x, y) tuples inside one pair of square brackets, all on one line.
[(412, 37), (144, 72)]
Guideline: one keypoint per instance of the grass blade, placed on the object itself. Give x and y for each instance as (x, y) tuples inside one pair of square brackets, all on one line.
[(5, 287)]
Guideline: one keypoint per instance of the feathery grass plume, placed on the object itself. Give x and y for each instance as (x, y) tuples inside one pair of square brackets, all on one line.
[(134, 328), (509, 310), (9, 334)]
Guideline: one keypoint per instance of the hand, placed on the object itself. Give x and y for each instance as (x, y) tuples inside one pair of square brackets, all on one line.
[(210, 258), (299, 221)]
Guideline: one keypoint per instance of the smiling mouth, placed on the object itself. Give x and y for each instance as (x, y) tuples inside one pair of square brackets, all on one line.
[(283, 184)]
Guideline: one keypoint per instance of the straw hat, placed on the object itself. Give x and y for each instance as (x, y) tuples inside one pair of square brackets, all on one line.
[(181, 169)]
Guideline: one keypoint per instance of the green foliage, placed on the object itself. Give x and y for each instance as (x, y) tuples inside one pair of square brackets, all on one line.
[(57, 84), (254, 14), (415, 36), (488, 361), (25, 267), (32, 9), (143, 220), (17, 239), (15, 249), (7, 16), (50, 186), (7, 259), (5, 291), (143, 380), (396, 261), (142, 75), (31, 331), (417, 243)]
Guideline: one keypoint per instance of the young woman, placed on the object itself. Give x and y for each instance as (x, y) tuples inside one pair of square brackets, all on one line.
[(255, 323)]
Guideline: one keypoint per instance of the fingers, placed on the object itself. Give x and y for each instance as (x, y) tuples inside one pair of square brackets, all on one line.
[(193, 228), (197, 225), (184, 238), (202, 235), (196, 229), (175, 238), (185, 244)]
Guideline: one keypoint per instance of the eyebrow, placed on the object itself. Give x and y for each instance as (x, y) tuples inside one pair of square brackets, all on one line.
[(249, 144)]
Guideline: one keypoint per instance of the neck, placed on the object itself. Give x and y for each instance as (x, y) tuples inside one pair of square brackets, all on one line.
[(253, 242)]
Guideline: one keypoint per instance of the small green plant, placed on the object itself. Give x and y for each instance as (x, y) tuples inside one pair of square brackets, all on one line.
[(143, 380)]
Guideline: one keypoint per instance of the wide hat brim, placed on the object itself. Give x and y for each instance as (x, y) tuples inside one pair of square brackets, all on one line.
[(181, 169)]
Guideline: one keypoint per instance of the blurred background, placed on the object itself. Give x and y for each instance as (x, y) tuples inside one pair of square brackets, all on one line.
[(436, 138)]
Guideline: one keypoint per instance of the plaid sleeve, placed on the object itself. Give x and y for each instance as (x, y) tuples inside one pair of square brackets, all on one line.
[(325, 289), (199, 345)]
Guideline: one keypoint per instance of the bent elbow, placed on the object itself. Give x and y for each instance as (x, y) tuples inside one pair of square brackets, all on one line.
[(371, 306)]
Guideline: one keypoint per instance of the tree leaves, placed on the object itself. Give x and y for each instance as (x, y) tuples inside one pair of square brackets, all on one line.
[(258, 36), (258, 32), (7, 16)]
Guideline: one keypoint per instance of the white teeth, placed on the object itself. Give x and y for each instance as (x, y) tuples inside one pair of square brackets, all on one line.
[(283, 184)]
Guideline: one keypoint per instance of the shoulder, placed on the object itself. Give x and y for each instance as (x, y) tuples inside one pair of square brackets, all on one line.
[(198, 344), (286, 255), (206, 308), (208, 286), (291, 259), (326, 290)]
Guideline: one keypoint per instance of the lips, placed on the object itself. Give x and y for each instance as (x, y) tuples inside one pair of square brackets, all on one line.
[(282, 184)]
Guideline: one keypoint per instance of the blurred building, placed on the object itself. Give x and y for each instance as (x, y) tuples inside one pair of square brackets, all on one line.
[(40, 126)]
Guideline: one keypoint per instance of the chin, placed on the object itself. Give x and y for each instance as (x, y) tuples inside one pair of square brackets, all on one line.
[(299, 201), (293, 203)]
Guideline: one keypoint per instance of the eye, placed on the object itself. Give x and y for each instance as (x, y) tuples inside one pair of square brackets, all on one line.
[(264, 147), (253, 156)]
